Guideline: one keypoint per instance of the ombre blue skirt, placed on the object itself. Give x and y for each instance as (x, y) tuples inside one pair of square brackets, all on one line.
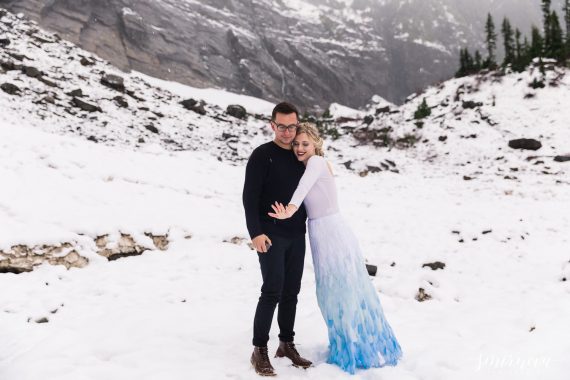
[(359, 334)]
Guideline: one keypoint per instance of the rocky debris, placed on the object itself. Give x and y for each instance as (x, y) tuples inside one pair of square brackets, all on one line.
[(121, 102), (10, 88), (373, 169), (435, 265), (48, 99), (4, 41), (382, 110), (77, 93), (239, 240), (85, 106), (564, 158), (151, 128), (377, 137), (8, 65), (87, 61), (469, 104), (371, 269), (422, 295), (113, 81), (32, 72), (47, 82), (194, 105), (22, 258), (127, 246), (236, 111), (528, 144), (159, 241), (368, 119)]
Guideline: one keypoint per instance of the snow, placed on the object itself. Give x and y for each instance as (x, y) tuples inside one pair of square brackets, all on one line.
[(219, 97), (188, 311)]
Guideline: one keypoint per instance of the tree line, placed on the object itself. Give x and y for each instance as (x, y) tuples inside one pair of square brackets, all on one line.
[(551, 42)]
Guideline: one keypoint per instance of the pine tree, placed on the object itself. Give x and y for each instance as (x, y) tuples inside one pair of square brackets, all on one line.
[(526, 58), (509, 43), (491, 40), (537, 44), (466, 64), (462, 71), (478, 62), (518, 64), (557, 50), (566, 9), (423, 109), (546, 26)]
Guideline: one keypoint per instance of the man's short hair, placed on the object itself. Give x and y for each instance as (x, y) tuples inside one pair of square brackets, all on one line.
[(285, 108)]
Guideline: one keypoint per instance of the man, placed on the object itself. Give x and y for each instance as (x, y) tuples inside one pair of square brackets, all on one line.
[(272, 174)]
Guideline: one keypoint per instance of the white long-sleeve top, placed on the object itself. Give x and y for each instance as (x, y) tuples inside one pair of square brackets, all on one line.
[(316, 189)]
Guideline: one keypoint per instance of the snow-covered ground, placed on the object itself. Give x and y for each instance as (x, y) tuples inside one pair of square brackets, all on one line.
[(497, 309)]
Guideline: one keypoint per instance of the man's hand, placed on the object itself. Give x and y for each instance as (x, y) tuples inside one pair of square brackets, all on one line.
[(259, 243), (282, 212)]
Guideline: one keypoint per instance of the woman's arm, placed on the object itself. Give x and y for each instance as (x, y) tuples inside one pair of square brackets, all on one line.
[(314, 169)]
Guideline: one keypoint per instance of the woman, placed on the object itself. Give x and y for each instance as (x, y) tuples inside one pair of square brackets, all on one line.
[(359, 335)]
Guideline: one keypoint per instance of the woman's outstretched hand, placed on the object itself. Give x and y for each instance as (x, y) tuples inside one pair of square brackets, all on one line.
[(282, 212)]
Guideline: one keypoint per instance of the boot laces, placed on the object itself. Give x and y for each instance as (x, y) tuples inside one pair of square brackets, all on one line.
[(263, 353)]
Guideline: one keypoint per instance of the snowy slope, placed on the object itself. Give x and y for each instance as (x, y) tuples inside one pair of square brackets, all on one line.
[(496, 310)]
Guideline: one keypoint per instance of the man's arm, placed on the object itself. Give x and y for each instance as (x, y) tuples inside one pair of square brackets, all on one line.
[(255, 173)]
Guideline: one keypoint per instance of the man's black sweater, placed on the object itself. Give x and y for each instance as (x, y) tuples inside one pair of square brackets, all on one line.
[(272, 174)]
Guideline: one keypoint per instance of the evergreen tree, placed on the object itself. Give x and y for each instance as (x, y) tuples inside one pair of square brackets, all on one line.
[(546, 25), (519, 63), (466, 64), (423, 109), (556, 40), (478, 62), (526, 57), (536, 44), (509, 42), (566, 9), (491, 40)]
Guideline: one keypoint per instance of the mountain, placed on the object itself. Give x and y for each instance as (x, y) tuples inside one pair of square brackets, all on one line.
[(310, 52)]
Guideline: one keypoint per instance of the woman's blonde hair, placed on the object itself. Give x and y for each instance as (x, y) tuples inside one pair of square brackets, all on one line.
[(313, 133)]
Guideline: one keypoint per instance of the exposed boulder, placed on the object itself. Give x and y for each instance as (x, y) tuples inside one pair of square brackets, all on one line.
[(32, 72), (10, 88), (528, 144), (151, 128), (194, 105), (435, 265), (121, 102), (4, 41), (85, 106), (565, 158), (236, 111), (113, 81), (469, 104)]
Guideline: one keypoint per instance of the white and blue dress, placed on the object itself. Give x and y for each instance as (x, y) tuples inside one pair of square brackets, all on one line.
[(359, 335)]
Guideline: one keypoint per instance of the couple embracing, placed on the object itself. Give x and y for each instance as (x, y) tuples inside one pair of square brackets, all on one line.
[(286, 181)]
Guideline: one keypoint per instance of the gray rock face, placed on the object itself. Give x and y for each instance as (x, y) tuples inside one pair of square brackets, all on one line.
[(322, 51)]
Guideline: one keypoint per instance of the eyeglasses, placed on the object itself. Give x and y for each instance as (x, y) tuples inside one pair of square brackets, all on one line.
[(283, 127)]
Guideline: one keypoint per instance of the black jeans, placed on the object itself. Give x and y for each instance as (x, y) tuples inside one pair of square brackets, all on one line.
[(282, 270)]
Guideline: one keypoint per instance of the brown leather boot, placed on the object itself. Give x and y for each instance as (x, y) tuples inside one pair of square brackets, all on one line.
[(260, 362), (288, 350)]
